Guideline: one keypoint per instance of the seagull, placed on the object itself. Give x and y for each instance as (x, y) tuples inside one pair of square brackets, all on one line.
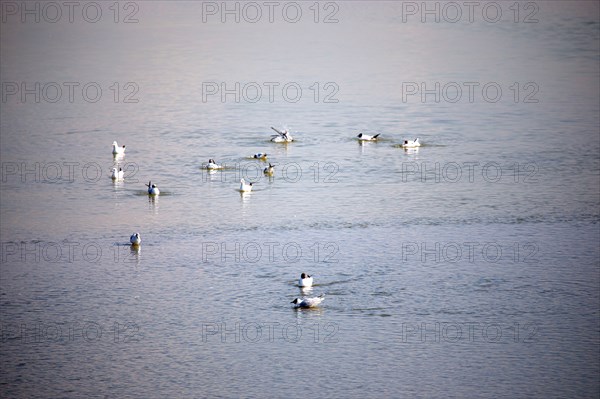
[(269, 170), (135, 239), (282, 136), (245, 187), (152, 189), (411, 143), (117, 174), (308, 302), (366, 137), (260, 155), (213, 165), (305, 280), (116, 150)]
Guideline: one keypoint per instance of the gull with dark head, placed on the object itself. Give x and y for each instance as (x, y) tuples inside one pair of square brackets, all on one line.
[(116, 150), (117, 174), (135, 239), (366, 137), (260, 155), (152, 189), (212, 165), (305, 281), (308, 302), (411, 143), (282, 136), (269, 169), (245, 187)]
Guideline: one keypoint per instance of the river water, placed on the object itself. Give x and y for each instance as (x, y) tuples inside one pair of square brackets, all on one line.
[(466, 268)]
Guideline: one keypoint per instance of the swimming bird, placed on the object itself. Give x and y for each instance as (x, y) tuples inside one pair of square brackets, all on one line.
[(260, 155), (411, 143), (366, 137), (282, 136), (245, 187), (308, 302), (305, 280), (152, 189), (117, 174), (213, 165), (135, 239), (116, 150), (269, 170)]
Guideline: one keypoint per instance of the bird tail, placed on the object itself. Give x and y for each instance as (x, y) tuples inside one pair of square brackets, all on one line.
[(376, 135)]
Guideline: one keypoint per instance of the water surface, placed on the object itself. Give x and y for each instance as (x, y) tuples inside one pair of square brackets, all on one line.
[(467, 268)]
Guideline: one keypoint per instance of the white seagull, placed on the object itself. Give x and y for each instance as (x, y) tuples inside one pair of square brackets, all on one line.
[(308, 302), (116, 150), (366, 137), (260, 155), (152, 189), (269, 169), (135, 239), (117, 174), (411, 143), (282, 136), (305, 280), (245, 187), (213, 165)]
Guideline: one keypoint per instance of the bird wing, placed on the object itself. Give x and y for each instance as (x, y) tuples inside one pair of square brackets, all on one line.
[(278, 132)]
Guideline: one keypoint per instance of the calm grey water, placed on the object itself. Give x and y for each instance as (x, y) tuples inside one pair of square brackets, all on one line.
[(466, 268)]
